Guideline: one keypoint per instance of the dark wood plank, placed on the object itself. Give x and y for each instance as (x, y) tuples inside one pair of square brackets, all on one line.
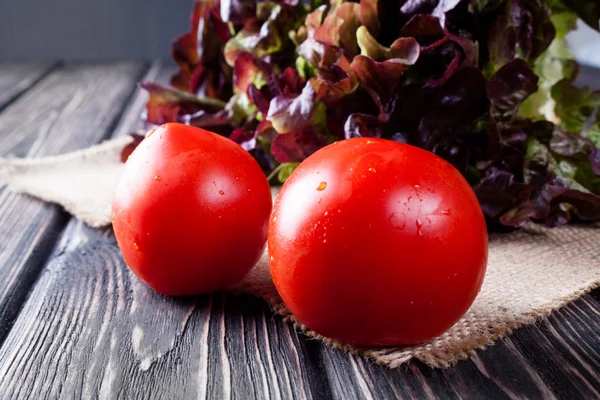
[(90, 326), (72, 107), (124, 338), (557, 358), (16, 79)]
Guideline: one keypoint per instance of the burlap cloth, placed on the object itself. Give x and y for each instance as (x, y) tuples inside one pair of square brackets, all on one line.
[(530, 273)]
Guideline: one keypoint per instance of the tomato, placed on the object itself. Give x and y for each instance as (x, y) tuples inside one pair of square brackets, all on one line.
[(377, 243), (191, 211)]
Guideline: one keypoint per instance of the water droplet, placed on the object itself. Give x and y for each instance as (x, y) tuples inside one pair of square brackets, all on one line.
[(221, 192), (325, 213), (446, 212), (249, 190), (237, 178), (456, 274), (417, 186), (272, 258), (419, 224), (150, 132), (219, 217), (135, 246), (318, 201), (409, 198), (157, 178), (351, 168), (322, 186), (412, 302), (324, 241), (398, 220), (274, 218), (339, 211)]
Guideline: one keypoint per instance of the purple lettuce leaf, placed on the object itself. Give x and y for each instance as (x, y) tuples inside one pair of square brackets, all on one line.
[(284, 78), (295, 146)]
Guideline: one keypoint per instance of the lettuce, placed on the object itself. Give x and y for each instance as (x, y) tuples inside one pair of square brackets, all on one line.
[(486, 84)]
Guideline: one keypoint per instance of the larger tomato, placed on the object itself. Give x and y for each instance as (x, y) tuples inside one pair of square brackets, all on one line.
[(377, 243), (190, 211)]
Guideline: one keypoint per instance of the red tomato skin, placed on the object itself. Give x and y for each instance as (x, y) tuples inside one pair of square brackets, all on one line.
[(190, 211), (377, 243)]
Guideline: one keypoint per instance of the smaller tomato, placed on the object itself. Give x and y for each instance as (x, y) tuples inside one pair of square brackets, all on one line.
[(190, 211), (377, 243)]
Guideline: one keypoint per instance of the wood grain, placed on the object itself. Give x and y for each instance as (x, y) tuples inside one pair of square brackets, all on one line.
[(16, 78), (92, 328), (557, 358), (71, 107)]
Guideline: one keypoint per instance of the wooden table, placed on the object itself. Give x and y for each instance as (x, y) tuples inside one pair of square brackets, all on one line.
[(75, 323)]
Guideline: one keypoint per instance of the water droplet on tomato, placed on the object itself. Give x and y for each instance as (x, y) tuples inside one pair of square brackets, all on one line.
[(249, 190), (318, 201), (324, 241), (446, 212), (325, 214), (419, 224), (272, 258), (274, 218), (135, 246), (398, 220), (237, 178), (417, 186), (322, 186), (157, 178), (221, 192)]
